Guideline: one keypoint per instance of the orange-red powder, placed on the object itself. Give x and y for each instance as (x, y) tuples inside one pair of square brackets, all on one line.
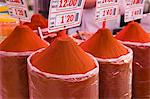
[(103, 45), (63, 57), (37, 20), (22, 39), (62, 34), (133, 32)]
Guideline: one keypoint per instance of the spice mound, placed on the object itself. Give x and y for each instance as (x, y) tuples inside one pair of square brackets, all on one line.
[(133, 32), (63, 57), (37, 20), (22, 39), (103, 45)]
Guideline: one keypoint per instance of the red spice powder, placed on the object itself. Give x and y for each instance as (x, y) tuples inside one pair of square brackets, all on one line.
[(62, 34), (103, 45), (37, 20), (133, 32), (22, 39), (63, 57)]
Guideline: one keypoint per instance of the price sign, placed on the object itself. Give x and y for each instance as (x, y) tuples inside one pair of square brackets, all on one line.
[(101, 3), (106, 10), (131, 3), (16, 2), (107, 13), (65, 14), (18, 9), (133, 14), (19, 12), (134, 10)]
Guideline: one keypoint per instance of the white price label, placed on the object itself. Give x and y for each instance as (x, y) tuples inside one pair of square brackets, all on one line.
[(134, 10), (132, 3), (107, 13), (101, 3), (67, 18), (64, 20), (16, 2), (60, 5), (106, 10), (18, 9), (65, 14), (19, 12), (133, 14)]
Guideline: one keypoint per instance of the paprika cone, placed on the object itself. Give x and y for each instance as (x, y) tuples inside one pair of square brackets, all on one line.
[(37, 20), (14, 51), (115, 64), (64, 71), (136, 38)]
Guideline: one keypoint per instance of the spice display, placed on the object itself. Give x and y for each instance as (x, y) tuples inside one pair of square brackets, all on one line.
[(138, 40), (115, 64), (63, 70), (14, 51)]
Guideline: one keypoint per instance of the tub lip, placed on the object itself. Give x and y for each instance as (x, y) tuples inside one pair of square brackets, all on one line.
[(135, 43), (6, 53), (69, 78), (21, 53), (120, 60)]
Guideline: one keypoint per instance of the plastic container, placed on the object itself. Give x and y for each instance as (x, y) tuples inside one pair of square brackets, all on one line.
[(116, 77), (141, 69), (44, 85)]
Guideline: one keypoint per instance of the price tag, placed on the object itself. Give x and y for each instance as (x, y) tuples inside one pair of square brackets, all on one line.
[(107, 13), (18, 9), (101, 3), (19, 12), (133, 14), (65, 14), (106, 10), (16, 2), (132, 3), (134, 10)]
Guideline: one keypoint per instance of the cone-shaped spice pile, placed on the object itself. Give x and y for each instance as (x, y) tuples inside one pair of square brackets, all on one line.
[(22, 39), (37, 20), (136, 38), (103, 45), (133, 32), (70, 72), (63, 57), (114, 76), (14, 51)]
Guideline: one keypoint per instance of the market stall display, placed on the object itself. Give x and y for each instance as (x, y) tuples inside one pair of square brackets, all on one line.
[(63, 71), (14, 51), (136, 38), (115, 64)]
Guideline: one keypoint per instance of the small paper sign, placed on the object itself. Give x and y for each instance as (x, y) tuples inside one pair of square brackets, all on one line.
[(18, 9), (107, 13), (106, 10), (134, 10), (16, 2), (65, 14), (101, 3), (133, 14)]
